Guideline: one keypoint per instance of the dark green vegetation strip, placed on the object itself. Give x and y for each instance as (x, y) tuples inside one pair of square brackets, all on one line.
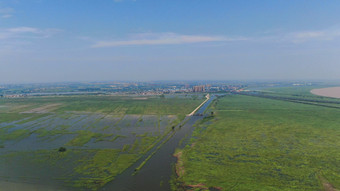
[(257, 143), (311, 100)]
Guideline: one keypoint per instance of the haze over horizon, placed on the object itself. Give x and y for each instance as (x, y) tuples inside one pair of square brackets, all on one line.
[(83, 40)]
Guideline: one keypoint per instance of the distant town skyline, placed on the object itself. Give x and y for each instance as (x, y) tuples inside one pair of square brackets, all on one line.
[(144, 40)]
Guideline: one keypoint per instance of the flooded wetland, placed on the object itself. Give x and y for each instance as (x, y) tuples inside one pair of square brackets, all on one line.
[(278, 139), (82, 143)]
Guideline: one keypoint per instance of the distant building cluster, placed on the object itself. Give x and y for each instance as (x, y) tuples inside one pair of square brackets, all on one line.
[(14, 96), (198, 88), (119, 88), (201, 88)]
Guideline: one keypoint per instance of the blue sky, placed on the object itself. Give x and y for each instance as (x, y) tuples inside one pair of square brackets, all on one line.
[(87, 40)]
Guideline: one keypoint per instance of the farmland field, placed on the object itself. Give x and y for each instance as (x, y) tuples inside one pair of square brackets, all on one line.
[(82, 142), (279, 141)]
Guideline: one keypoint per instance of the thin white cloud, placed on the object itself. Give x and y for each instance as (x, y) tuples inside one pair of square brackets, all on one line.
[(309, 34), (6, 12), (299, 37), (277, 36), (163, 39), (23, 30), (15, 38), (6, 16), (26, 33), (317, 35)]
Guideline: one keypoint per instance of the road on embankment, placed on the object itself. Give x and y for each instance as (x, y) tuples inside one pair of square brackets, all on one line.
[(205, 101)]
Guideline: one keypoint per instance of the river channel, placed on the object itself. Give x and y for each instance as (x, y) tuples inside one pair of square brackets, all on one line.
[(157, 172)]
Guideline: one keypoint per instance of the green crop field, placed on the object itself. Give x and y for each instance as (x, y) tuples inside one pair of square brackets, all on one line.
[(255, 143), (82, 142)]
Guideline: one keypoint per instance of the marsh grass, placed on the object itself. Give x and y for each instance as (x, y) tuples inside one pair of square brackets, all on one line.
[(84, 137), (262, 144)]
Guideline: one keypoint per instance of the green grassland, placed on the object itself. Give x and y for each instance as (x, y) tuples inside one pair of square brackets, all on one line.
[(255, 143)]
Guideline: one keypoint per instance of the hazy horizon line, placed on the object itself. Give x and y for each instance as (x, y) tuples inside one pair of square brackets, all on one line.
[(173, 80)]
